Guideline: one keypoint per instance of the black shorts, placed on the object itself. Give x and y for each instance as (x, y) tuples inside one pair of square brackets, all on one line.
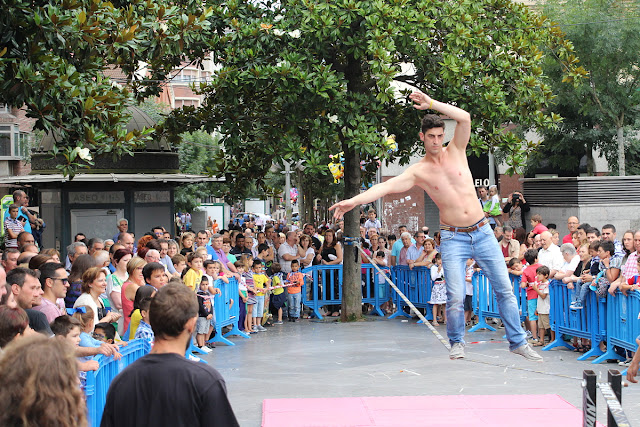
[(468, 303), (279, 300)]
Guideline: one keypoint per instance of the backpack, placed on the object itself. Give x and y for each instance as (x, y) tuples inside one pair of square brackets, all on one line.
[(601, 284)]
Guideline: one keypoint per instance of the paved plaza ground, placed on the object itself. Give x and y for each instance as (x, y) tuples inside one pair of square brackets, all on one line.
[(382, 357)]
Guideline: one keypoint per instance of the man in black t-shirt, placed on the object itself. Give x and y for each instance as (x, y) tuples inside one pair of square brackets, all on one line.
[(163, 388)]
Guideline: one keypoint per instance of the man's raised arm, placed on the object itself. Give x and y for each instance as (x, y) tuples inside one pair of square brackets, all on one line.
[(463, 119), (401, 183)]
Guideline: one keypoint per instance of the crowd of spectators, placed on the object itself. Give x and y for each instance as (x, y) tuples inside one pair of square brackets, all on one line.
[(110, 286)]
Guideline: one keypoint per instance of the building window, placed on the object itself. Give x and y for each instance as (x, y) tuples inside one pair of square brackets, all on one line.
[(179, 103), (13, 143)]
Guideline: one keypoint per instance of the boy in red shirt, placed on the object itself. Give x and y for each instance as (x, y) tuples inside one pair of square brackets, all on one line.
[(527, 281)]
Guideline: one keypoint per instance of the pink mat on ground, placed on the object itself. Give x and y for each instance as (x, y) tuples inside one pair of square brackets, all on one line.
[(414, 411)]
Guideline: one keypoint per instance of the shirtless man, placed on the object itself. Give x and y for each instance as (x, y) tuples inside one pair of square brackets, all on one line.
[(465, 233)]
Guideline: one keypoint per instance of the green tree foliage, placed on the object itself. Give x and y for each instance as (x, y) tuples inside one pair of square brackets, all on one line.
[(303, 79), (53, 55), (605, 38)]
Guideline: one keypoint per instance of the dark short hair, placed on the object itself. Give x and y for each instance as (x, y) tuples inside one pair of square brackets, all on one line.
[(608, 246), (609, 227), (544, 270), (62, 325), (584, 226), (108, 328), (145, 304), (148, 269), (17, 276), (430, 121), (594, 231), (512, 262), (153, 244), (256, 262), (263, 247), (295, 261), (531, 255), (48, 271), (172, 307)]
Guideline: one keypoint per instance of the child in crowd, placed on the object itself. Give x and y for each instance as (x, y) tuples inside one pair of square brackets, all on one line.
[(514, 266), (438, 291), (244, 297), (492, 207), (205, 325), (536, 223), (541, 286), (69, 328), (84, 315), (144, 330), (296, 279), (527, 282), (179, 263), (251, 295), (372, 222), (105, 332), (13, 227), (278, 294), (136, 316), (468, 298), (260, 281), (381, 280), (194, 275), (588, 274)]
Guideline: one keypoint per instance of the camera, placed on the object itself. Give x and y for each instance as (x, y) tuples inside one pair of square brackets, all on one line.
[(515, 197)]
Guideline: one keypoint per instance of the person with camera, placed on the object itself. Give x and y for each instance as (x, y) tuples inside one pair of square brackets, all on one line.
[(516, 208)]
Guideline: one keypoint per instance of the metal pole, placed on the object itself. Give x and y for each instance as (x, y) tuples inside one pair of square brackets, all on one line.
[(589, 399)]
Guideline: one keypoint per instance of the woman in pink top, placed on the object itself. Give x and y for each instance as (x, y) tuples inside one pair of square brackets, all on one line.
[(129, 288)]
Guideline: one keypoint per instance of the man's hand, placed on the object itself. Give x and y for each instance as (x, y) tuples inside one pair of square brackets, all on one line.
[(422, 101), (342, 208)]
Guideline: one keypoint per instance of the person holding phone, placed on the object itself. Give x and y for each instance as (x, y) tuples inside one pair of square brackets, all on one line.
[(516, 207)]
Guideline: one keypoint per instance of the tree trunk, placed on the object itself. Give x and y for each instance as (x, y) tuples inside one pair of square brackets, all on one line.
[(621, 156), (590, 162), (351, 289)]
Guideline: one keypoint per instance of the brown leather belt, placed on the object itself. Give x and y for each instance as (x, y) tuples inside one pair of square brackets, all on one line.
[(465, 229)]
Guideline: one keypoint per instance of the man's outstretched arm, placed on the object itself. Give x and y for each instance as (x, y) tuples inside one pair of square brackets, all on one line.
[(401, 183), (463, 119)]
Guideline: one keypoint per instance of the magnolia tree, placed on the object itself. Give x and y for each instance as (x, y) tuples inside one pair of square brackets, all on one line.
[(309, 79), (54, 55)]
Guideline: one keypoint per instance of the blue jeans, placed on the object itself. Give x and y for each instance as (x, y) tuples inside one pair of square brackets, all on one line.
[(294, 304), (580, 291), (482, 246)]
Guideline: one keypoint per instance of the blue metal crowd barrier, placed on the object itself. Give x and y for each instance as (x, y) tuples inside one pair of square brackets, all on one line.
[(485, 303), (98, 381), (588, 323), (374, 293), (325, 288), (226, 313), (415, 284), (623, 325)]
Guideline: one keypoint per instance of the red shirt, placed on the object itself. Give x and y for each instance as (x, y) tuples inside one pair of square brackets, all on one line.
[(529, 276), (567, 239)]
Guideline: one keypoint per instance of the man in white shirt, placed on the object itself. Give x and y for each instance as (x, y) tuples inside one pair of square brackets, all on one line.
[(288, 251), (549, 254)]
